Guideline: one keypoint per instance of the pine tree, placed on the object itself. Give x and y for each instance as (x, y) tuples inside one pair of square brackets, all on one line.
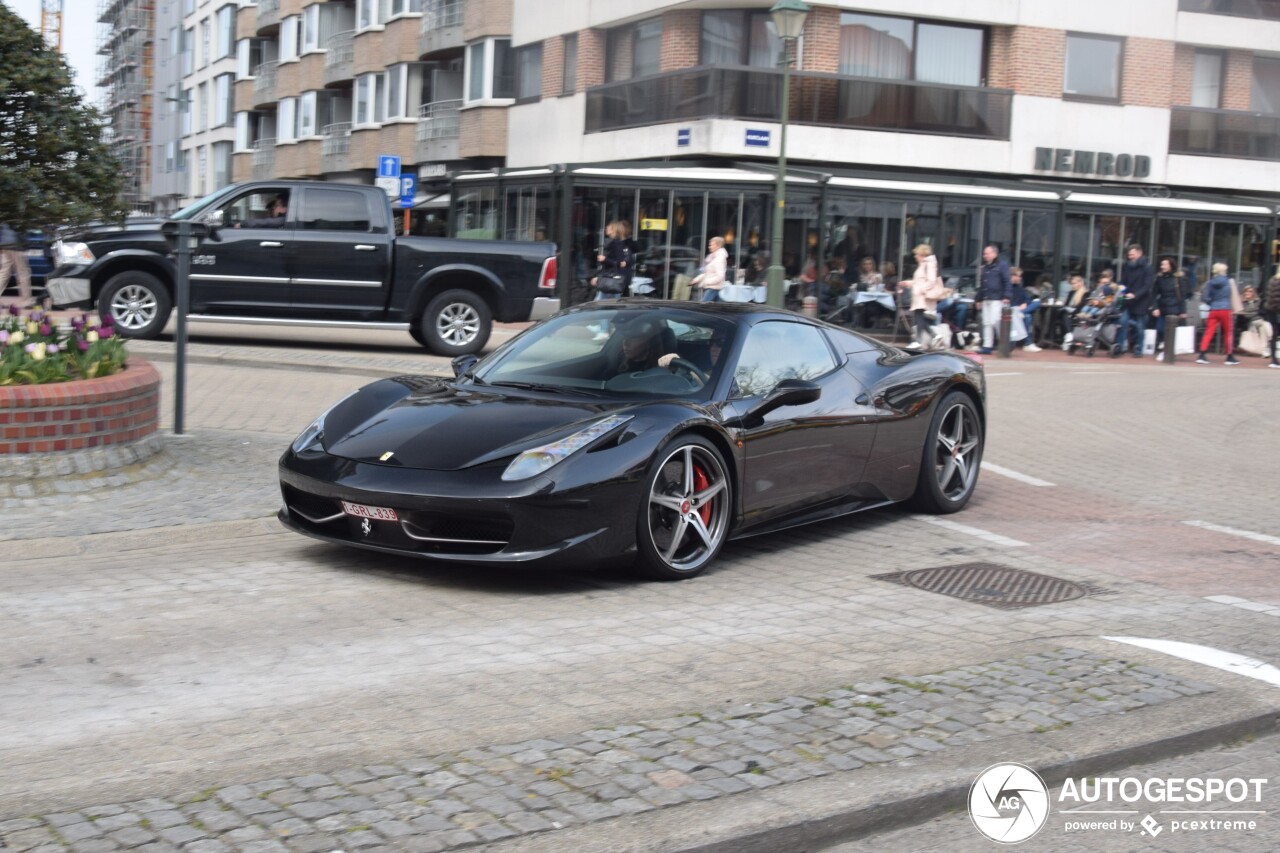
[(55, 168)]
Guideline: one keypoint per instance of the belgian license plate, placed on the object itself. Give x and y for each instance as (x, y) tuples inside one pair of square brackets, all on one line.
[(377, 513)]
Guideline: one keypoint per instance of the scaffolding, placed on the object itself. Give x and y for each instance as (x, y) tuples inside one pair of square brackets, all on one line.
[(125, 57)]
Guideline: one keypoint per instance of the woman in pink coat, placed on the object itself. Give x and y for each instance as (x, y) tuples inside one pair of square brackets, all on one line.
[(926, 289)]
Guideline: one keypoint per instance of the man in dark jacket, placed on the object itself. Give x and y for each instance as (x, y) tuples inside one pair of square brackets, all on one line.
[(994, 291), (1137, 277)]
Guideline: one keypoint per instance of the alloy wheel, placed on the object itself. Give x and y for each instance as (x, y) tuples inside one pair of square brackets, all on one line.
[(689, 508), (133, 307), (959, 436), (458, 324)]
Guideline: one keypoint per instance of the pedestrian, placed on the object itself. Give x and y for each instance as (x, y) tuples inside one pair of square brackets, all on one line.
[(1170, 303), (1217, 295), (927, 287), (1271, 312), (13, 260), (616, 267), (1024, 306), (994, 293), (714, 268), (1137, 278)]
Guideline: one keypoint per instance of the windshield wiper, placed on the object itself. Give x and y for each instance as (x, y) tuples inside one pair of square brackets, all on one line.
[(539, 386)]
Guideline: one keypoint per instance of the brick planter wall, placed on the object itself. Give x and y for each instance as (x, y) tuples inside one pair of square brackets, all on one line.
[(115, 411)]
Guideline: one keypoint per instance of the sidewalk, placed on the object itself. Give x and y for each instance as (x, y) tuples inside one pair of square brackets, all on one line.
[(788, 699)]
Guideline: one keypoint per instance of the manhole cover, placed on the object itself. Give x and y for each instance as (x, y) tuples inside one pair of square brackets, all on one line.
[(993, 585)]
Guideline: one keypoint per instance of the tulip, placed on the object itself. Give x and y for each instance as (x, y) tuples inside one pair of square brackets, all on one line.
[(4, 337), (13, 310), (38, 354), (107, 321), (91, 336), (83, 345), (106, 332), (53, 349), (16, 337), (32, 328), (46, 329)]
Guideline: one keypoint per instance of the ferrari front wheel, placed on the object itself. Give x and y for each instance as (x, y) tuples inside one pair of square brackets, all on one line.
[(687, 504), (952, 454)]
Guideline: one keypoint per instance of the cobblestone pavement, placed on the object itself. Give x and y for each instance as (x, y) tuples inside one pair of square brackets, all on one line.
[(189, 644), (499, 792), (1253, 759)]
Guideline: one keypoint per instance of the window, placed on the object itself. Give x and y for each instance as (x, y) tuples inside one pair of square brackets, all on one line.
[(529, 72), (222, 106), (253, 205), (334, 210), (370, 104), (778, 350), (180, 160), (170, 155), (1206, 79), (244, 131), (475, 71), (310, 29), (221, 164), (307, 115), (226, 18), (205, 33), (739, 38), (175, 41), (395, 91), (188, 6), (286, 117), (401, 7), (891, 48), (202, 106), (569, 82), (244, 59), (1265, 97), (185, 106), (1093, 67), (371, 13), (504, 69), (188, 45), (634, 51), (289, 38), (202, 170)]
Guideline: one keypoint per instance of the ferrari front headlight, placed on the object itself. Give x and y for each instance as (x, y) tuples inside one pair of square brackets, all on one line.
[(533, 462)]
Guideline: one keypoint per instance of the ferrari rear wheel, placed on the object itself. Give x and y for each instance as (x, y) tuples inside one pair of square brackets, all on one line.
[(684, 519), (952, 454)]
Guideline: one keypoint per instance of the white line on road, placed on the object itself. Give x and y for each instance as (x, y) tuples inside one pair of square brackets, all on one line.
[(1216, 658), (993, 538), (1014, 475), (1235, 531)]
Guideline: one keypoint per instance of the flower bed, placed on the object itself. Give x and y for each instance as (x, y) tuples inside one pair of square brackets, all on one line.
[(117, 410), (34, 350)]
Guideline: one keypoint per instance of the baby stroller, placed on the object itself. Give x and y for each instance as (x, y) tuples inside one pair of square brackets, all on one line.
[(1096, 331)]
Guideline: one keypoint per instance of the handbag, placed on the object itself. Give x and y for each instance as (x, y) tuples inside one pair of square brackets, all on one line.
[(1256, 340), (1237, 304), (610, 283)]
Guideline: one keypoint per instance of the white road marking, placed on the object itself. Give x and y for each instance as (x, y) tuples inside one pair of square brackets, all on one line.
[(1235, 531), (993, 538), (1245, 604), (1014, 475), (1216, 658)]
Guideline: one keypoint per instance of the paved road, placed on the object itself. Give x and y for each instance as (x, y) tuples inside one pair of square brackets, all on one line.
[(188, 642)]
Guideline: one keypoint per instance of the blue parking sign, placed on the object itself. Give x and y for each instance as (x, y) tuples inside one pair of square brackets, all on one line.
[(388, 166), (408, 189)]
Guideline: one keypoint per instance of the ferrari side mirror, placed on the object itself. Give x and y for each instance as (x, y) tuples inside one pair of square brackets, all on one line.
[(462, 365), (788, 392)]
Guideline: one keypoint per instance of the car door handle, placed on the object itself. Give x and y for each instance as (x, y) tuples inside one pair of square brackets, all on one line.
[(862, 399), (271, 244), (365, 247)]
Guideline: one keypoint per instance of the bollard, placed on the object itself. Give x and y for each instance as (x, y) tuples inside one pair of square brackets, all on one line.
[(1005, 349), (1171, 325), (810, 306)]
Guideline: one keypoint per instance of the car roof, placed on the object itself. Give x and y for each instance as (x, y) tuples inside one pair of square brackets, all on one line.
[(749, 312)]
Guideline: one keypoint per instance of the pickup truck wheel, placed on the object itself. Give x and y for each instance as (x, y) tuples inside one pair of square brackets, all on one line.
[(456, 322), (137, 302)]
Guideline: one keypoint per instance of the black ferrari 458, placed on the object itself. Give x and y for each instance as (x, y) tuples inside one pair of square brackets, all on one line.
[(638, 429)]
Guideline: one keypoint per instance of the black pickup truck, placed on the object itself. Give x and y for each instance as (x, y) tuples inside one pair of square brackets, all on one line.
[(327, 257)]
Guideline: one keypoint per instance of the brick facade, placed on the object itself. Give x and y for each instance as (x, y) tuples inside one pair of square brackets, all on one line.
[(552, 66), (483, 132), (374, 50), (485, 18), (115, 410), (822, 40), (1184, 56), (1034, 64), (246, 22), (1237, 81), (1147, 78), (367, 144), (681, 39), (591, 44), (298, 159), (1000, 58)]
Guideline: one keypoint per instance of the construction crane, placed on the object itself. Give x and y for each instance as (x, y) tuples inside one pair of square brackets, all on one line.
[(51, 23)]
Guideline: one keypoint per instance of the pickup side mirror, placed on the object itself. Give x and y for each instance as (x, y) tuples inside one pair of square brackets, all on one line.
[(462, 365), (215, 218)]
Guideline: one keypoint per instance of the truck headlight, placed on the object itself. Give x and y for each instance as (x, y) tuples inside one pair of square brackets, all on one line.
[(73, 253)]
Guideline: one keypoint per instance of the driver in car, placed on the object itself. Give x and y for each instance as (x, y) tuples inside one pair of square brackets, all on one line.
[(640, 347)]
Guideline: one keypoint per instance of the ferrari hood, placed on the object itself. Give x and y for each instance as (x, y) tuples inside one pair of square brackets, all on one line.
[(412, 422)]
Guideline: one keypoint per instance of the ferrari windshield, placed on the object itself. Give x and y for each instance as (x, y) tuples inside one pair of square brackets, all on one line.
[(641, 350)]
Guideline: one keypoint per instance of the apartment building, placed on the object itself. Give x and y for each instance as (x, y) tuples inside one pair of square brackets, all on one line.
[(169, 179), (1059, 131), (322, 89), (125, 67), (206, 106)]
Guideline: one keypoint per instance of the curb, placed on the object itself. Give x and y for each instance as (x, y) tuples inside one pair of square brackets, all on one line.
[(818, 813), (359, 369)]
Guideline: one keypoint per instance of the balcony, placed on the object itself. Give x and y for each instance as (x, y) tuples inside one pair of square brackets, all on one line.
[(1268, 10), (335, 148), (264, 84), (337, 57), (824, 100), (438, 131), (264, 158), (268, 14), (1224, 133), (441, 26)]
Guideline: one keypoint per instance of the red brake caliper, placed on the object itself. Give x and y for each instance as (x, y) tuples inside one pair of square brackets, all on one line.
[(700, 482)]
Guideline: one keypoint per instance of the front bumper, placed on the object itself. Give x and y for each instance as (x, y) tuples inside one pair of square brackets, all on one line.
[(467, 516), (69, 288)]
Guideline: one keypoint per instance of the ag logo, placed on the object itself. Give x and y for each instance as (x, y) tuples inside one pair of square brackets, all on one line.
[(1008, 803)]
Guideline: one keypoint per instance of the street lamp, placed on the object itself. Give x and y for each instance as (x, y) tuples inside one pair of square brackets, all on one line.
[(788, 22)]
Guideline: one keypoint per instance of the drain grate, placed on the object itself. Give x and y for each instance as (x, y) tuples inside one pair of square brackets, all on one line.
[(993, 585)]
